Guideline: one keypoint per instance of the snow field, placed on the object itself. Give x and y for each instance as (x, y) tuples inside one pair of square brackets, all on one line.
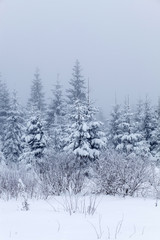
[(115, 218)]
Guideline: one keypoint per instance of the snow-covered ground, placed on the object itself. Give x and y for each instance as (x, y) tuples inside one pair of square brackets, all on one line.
[(115, 218)]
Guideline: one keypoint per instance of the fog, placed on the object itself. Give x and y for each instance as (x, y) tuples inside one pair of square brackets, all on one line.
[(116, 41)]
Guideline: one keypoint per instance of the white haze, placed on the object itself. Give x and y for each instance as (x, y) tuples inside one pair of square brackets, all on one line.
[(116, 41)]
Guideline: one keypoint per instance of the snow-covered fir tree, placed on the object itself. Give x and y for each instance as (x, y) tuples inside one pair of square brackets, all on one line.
[(125, 135), (4, 106), (56, 109), (97, 138), (155, 134), (77, 90), (158, 108), (35, 137), (131, 141), (77, 140), (35, 143), (147, 126), (138, 116), (36, 102), (156, 138), (55, 122), (141, 147), (12, 140), (115, 131), (85, 140)]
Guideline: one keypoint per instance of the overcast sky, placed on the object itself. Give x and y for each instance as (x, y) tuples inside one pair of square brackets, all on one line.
[(116, 41)]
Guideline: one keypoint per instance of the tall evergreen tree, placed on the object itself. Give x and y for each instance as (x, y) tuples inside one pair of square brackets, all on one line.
[(56, 118), (138, 116), (147, 121), (85, 139), (33, 157), (115, 132), (97, 138), (77, 90), (12, 141), (56, 109), (155, 149), (130, 138), (155, 134), (158, 109), (141, 147), (4, 106), (126, 130), (35, 137), (36, 102)]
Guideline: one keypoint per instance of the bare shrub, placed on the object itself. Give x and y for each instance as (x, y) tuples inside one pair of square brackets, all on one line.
[(10, 186), (118, 174), (62, 175), (98, 229), (154, 181), (72, 203)]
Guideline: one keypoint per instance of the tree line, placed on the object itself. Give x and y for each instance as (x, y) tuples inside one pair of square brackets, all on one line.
[(63, 146)]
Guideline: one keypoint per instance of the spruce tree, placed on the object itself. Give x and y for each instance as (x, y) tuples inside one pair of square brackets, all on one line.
[(56, 110), (4, 106), (85, 139), (35, 137), (148, 124), (141, 146), (76, 141), (12, 141), (155, 134), (125, 145), (35, 143), (97, 138), (131, 139), (77, 89), (155, 142), (36, 102), (115, 132), (55, 121), (138, 116)]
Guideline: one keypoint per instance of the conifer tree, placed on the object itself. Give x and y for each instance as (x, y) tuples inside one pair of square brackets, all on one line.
[(155, 141), (115, 132), (56, 118), (148, 123), (155, 134), (35, 137), (125, 145), (131, 139), (4, 106), (141, 147), (97, 138), (76, 142), (12, 141), (34, 146), (77, 89), (85, 139), (36, 102), (56, 109), (138, 116)]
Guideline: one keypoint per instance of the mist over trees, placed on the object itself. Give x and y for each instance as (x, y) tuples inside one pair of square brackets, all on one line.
[(64, 146)]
